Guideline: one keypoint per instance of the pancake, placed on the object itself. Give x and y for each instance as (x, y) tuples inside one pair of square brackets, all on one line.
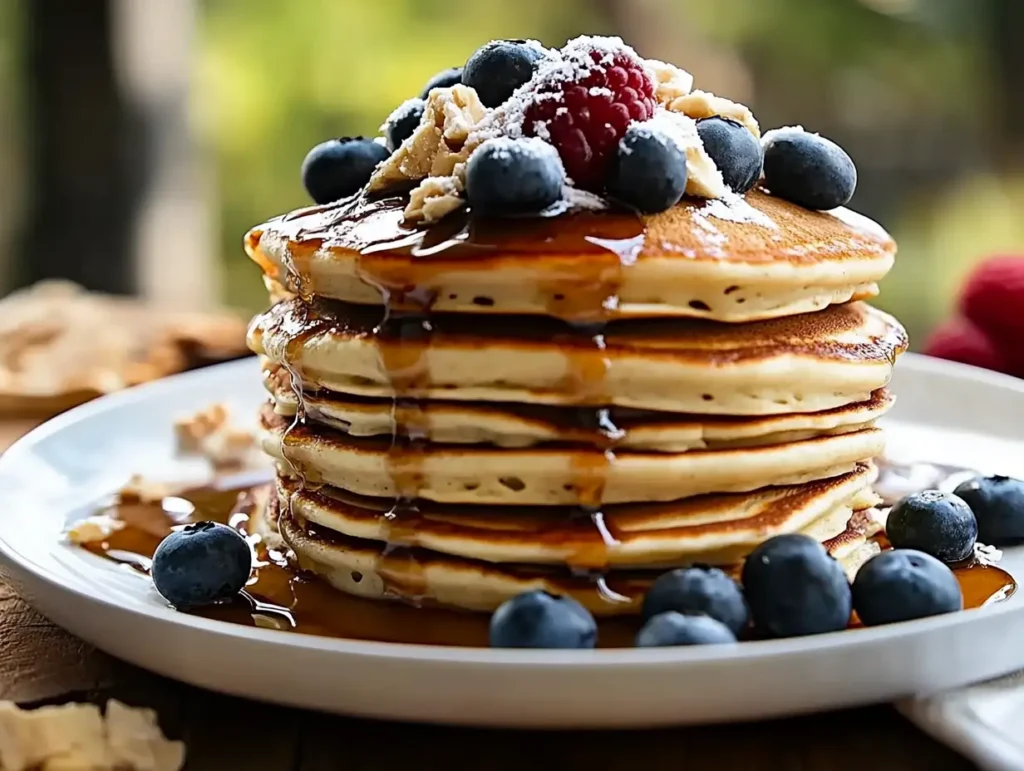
[(522, 425), (808, 363), (551, 474), (712, 529), (733, 260), (369, 569)]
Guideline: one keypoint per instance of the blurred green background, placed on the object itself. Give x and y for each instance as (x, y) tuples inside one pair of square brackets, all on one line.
[(196, 129)]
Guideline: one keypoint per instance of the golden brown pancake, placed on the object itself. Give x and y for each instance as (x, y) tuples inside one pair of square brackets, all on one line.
[(807, 363), (525, 425), (709, 529), (730, 260), (551, 474)]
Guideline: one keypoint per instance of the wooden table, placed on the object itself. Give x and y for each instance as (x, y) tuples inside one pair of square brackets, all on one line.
[(40, 663)]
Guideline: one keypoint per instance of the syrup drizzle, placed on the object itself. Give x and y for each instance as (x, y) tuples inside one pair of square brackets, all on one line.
[(406, 272), (280, 596)]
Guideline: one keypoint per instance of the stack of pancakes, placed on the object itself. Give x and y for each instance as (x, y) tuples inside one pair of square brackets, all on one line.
[(465, 412)]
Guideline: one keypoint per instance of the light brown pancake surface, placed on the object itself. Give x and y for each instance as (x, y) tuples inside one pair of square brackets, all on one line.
[(750, 259), (551, 474), (525, 425), (807, 363), (710, 529)]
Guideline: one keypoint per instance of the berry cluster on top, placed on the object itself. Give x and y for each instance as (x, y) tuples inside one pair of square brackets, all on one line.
[(520, 127)]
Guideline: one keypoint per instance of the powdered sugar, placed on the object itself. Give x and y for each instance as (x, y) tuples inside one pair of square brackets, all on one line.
[(733, 207), (710, 237), (703, 177), (571, 64), (771, 136)]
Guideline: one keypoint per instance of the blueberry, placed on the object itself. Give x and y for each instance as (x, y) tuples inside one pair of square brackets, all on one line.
[(498, 68), (904, 584), (443, 79), (201, 564), (648, 171), (513, 176), (937, 523), (541, 620), (998, 506), (699, 590), (807, 169), (402, 122), (794, 587), (735, 151), (673, 628), (340, 167)]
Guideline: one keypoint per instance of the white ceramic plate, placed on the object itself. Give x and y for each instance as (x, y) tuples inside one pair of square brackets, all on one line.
[(945, 413)]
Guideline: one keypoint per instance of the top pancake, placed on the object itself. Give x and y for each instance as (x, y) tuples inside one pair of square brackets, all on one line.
[(733, 260)]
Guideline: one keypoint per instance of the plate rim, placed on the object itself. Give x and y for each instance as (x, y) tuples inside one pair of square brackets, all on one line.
[(765, 650)]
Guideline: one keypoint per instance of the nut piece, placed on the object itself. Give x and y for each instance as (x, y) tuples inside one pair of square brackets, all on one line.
[(136, 741), (76, 737), (144, 491), (670, 82), (94, 529), (703, 179), (434, 198), (192, 430), (701, 104), (438, 143), (210, 433)]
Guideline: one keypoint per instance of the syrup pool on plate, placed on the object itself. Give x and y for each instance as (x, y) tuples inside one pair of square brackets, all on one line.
[(280, 596)]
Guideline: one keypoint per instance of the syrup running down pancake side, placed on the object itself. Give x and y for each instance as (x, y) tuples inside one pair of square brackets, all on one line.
[(280, 596), (583, 292)]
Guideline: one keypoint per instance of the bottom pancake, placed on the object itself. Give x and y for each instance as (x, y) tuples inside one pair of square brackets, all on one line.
[(374, 570)]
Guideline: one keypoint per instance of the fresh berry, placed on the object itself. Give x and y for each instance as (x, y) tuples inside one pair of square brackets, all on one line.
[(585, 104), (541, 620), (904, 584), (498, 68), (807, 169), (992, 297), (402, 122), (648, 171), (998, 506), (340, 167), (443, 79), (699, 590), (201, 564), (735, 151), (961, 341), (513, 176), (673, 628), (794, 588), (934, 522)]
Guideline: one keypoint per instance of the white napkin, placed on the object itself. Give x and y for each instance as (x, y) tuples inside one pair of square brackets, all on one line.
[(984, 722)]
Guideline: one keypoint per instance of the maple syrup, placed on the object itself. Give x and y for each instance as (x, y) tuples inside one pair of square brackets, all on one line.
[(406, 267), (281, 596), (585, 254)]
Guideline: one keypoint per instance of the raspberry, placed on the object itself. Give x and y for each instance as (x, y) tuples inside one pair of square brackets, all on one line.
[(992, 298), (960, 340), (584, 106)]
